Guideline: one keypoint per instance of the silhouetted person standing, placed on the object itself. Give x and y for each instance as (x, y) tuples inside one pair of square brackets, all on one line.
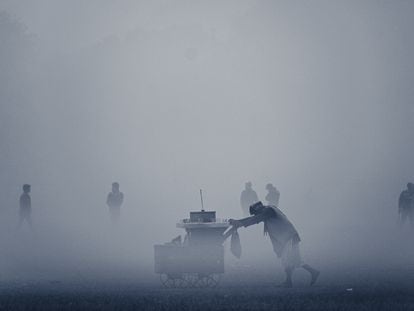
[(273, 195), (25, 203), (114, 201), (283, 235), (406, 204), (248, 197)]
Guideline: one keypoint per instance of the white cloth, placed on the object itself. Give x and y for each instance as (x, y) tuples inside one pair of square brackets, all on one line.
[(291, 255)]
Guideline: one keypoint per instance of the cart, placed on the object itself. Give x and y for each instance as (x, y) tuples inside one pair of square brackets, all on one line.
[(197, 261)]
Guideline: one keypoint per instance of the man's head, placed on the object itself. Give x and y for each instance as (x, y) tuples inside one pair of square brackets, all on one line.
[(410, 187), (26, 188), (256, 208), (115, 187), (248, 185)]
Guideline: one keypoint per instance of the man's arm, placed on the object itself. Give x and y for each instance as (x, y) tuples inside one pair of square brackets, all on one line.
[(252, 220)]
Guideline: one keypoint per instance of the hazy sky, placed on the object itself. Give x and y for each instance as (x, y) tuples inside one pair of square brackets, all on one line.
[(167, 97)]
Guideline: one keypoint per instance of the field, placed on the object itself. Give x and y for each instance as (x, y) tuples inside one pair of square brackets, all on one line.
[(117, 282), (370, 294)]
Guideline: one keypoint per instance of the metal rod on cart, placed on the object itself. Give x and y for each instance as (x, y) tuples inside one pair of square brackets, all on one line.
[(201, 197)]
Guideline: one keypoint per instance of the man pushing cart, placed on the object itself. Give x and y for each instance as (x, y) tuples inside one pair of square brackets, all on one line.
[(283, 235)]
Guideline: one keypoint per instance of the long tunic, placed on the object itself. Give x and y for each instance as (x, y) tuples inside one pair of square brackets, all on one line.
[(25, 204), (114, 200), (277, 225), (405, 201)]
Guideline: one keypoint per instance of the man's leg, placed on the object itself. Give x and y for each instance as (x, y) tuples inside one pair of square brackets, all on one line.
[(290, 260), (19, 224), (115, 214), (112, 215), (288, 282), (411, 216), (289, 272), (403, 217), (29, 221), (313, 272)]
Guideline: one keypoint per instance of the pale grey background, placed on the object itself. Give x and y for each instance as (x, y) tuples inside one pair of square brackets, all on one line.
[(167, 97)]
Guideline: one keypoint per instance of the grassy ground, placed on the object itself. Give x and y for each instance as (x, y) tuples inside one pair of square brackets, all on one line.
[(134, 297), (241, 288)]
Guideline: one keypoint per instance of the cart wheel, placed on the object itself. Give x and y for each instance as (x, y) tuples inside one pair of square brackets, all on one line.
[(191, 279), (208, 280), (173, 281)]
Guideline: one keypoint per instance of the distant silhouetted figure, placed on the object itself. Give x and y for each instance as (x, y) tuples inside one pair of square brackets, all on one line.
[(114, 201), (283, 235), (272, 196), (248, 197), (25, 203), (406, 204)]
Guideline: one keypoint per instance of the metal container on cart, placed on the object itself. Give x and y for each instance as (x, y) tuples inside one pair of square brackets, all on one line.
[(198, 260)]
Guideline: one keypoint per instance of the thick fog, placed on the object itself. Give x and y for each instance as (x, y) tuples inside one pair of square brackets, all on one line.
[(169, 97)]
